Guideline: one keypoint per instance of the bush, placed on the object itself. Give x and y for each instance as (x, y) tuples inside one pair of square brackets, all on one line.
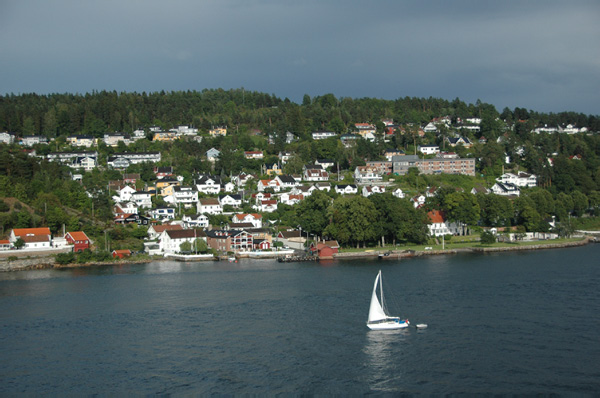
[(65, 258), (487, 238)]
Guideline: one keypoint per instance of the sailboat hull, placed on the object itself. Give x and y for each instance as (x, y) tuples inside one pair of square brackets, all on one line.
[(388, 325)]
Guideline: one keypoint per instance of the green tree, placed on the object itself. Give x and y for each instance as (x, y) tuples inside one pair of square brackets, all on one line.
[(352, 220), (19, 243), (461, 207), (487, 238), (312, 213), (185, 247)]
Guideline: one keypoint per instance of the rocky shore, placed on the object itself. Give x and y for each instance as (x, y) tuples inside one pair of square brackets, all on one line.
[(49, 262)]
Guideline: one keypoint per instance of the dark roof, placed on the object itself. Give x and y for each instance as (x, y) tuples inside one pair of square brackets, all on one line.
[(287, 178), (186, 233)]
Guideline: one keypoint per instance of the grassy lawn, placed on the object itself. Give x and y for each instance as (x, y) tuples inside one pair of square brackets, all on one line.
[(587, 223), (460, 242)]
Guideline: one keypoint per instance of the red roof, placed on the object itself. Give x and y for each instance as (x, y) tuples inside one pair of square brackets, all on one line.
[(436, 217), (166, 227), (78, 235), (31, 231)]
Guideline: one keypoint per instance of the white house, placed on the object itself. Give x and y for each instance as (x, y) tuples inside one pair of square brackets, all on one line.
[(125, 208), (242, 179), (142, 199), (7, 138), (304, 190), (430, 128), (367, 174), (31, 140), (253, 154), (521, 179), (154, 231), (209, 206), (162, 213), (213, 154), (315, 175), (195, 221), (124, 194), (286, 181), (506, 189), (229, 187), (34, 238), (266, 206), (346, 189), (251, 218), (370, 190), (323, 186), (113, 139), (209, 185), (440, 226), (231, 200), (84, 162), (291, 199), (418, 200), (264, 184), (398, 193), (321, 135), (429, 149), (171, 240), (325, 163), (186, 196)]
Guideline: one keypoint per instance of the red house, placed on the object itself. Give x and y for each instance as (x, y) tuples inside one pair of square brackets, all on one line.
[(121, 253), (79, 240), (325, 250)]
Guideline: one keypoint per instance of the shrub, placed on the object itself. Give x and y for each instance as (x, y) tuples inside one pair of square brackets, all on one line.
[(487, 238), (65, 258)]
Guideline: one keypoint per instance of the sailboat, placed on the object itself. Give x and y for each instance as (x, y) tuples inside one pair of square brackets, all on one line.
[(378, 316)]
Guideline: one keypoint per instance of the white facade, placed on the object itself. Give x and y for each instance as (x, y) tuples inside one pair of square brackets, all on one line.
[(398, 193), (321, 135), (124, 194), (367, 174), (243, 218), (370, 190), (198, 220), (142, 199), (231, 200), (506, 189), (521, 179), (315, 175), (208, 186), (186, 196), (346, 189), (209, 206), (429, 149)]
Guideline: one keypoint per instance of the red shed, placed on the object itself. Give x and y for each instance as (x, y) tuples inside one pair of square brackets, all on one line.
[(121, 253), (325, 250), (79, 240)]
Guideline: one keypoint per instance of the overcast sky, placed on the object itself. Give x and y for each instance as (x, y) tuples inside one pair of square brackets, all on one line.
[(539, 55)]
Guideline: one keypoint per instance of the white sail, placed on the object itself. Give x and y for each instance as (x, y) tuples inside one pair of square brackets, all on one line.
[(376, 311)]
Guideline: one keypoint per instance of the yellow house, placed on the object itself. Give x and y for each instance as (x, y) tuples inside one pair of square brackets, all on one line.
[(273, 168), (165, 186), (215, 131), (164, 136)]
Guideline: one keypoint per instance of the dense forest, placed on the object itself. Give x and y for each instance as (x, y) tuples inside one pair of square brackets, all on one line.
[(43, 193), (98, 112)]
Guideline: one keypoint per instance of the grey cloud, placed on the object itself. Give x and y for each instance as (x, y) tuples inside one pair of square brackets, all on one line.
[(542, 56)]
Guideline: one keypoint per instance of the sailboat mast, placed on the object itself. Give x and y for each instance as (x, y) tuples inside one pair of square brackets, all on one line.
[(381, 293)]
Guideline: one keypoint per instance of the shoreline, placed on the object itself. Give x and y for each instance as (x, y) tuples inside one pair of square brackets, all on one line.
[(49, 262)]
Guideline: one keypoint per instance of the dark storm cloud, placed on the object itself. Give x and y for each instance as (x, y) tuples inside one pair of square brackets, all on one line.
[(538, 55)]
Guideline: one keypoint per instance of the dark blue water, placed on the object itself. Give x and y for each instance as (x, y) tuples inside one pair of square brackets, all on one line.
[(510, 323)]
